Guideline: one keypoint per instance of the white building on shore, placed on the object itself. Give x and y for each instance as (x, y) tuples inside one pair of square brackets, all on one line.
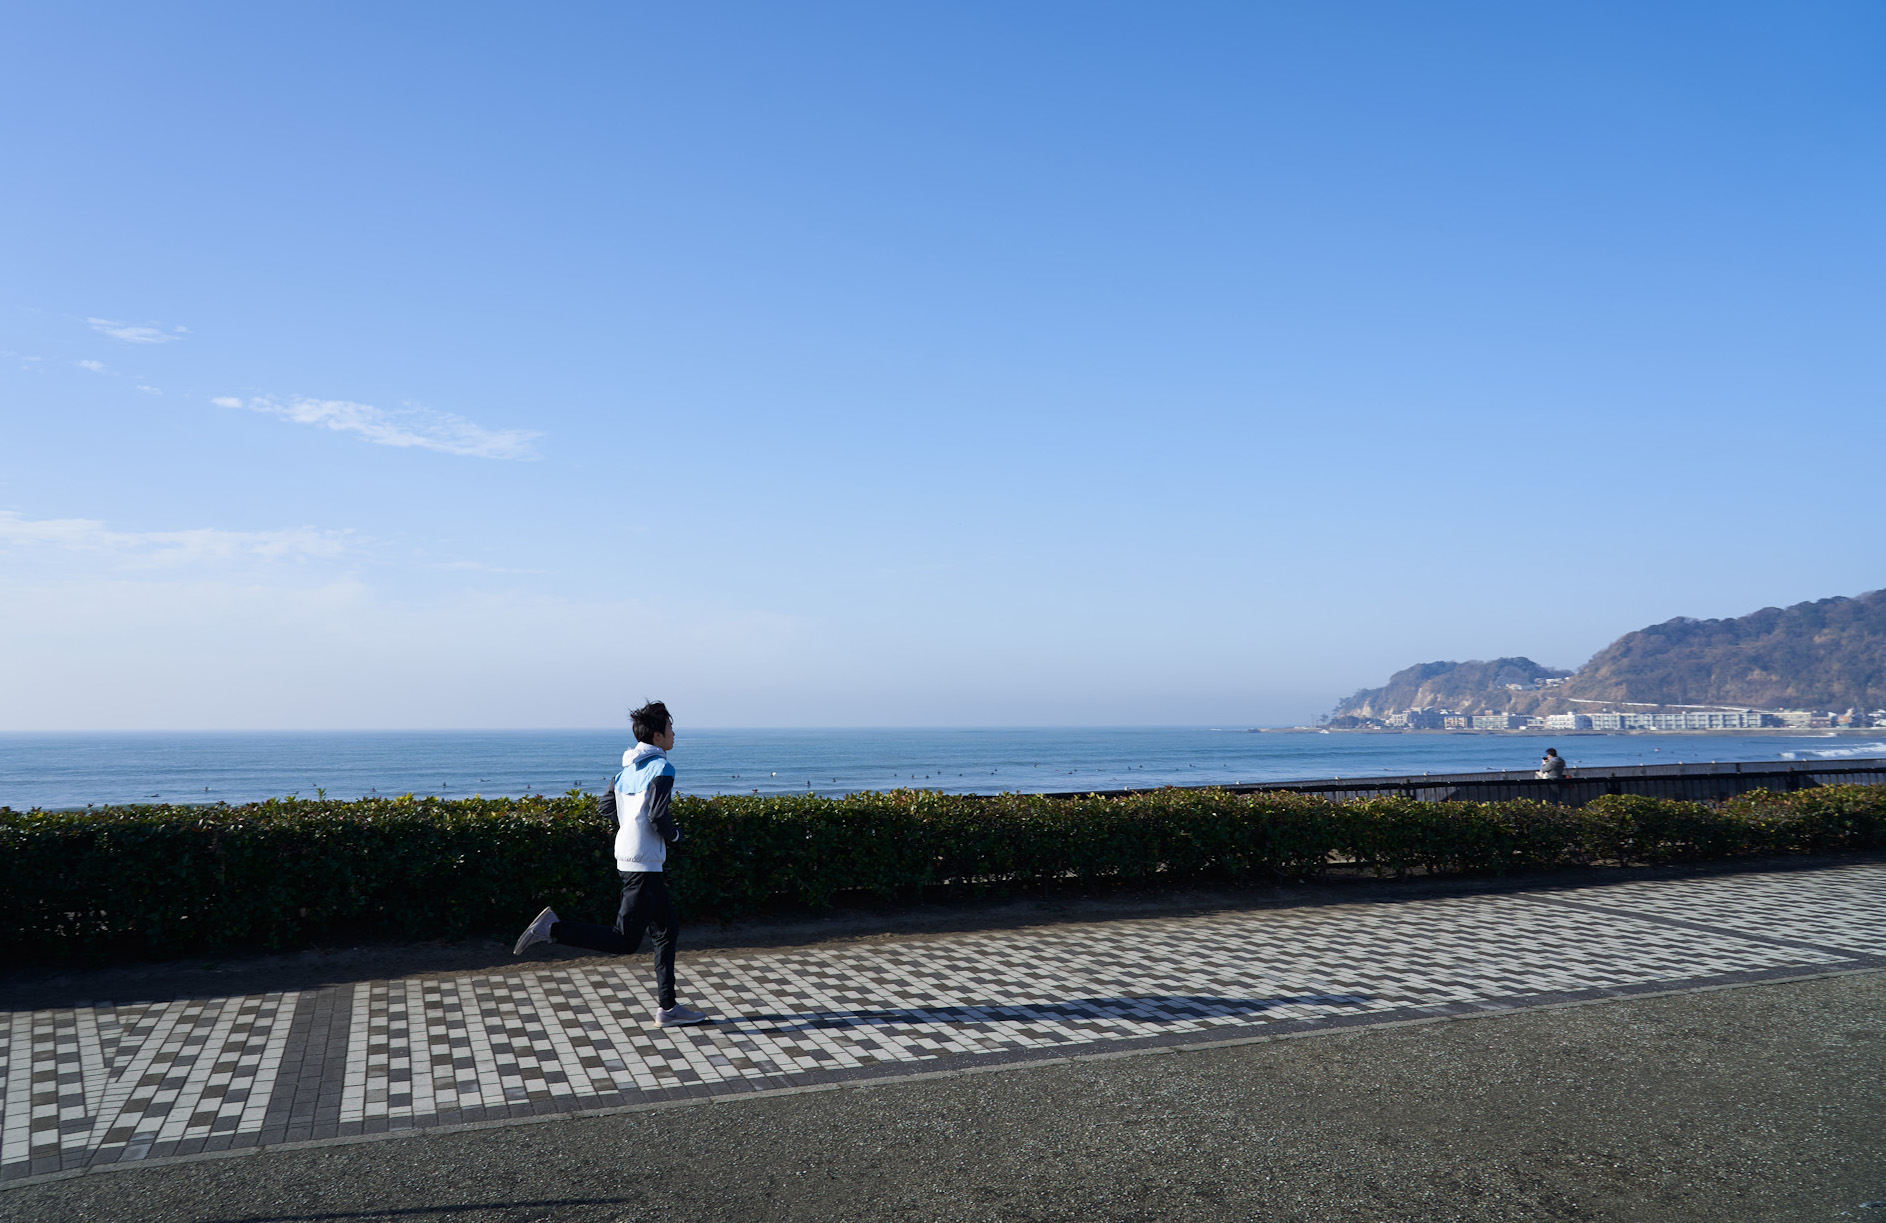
[(1614, 720), (1689, 719)]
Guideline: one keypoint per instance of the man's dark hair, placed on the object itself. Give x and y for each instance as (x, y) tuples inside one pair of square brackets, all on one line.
[(650, 720)]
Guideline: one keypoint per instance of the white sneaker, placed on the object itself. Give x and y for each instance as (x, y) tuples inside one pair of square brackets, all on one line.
[(537, 932), (679, 1016)]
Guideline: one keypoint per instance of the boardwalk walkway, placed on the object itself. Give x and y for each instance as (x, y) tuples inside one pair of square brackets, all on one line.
[(100, 1083)]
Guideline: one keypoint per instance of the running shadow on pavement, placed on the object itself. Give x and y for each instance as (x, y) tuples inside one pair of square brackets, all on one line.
[(1151, 1008)]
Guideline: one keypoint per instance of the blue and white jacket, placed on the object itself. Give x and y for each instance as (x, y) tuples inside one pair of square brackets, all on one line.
[(642, 790)]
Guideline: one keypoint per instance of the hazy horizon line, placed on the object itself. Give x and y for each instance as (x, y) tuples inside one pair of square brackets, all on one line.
[(684, 731)]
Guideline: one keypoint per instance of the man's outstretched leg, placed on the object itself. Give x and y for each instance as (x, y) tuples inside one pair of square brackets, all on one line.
[(546, 927), (646, 906)]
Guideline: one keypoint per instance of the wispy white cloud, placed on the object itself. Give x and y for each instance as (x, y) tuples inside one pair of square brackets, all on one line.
[(137, 333), (202, 545), (421, 427), (149, 389), (97, 367)]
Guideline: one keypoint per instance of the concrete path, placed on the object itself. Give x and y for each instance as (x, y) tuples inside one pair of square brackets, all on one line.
[(99, 1084)]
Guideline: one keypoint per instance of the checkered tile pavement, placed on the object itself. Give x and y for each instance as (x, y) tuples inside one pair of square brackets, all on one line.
[(98, 1083)]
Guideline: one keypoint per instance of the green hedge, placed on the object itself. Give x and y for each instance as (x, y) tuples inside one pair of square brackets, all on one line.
[(165, 880)]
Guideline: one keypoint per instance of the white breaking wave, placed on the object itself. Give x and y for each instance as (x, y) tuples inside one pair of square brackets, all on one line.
[(1831, 753)]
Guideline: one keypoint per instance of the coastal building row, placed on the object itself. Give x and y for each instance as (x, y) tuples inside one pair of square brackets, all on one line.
[(1688, 719)]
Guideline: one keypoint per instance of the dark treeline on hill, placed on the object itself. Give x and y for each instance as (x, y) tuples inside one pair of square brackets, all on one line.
[(1828, 655)]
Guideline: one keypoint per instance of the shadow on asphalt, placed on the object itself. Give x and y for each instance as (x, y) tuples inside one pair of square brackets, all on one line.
[(408, 1212), (1151, 1008)]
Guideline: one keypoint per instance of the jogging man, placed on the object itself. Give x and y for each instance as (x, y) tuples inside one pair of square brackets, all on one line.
[(640, 796)]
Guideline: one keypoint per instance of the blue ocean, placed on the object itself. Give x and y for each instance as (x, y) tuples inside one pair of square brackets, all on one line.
[(62, 770)]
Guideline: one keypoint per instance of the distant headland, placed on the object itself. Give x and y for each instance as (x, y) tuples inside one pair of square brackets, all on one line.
[(1814, 665)]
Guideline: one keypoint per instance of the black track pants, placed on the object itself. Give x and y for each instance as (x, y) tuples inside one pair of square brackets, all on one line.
[(646, 906)]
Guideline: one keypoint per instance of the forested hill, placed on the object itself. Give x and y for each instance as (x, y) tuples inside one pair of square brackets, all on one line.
[(1828, 654), (1471, 686)]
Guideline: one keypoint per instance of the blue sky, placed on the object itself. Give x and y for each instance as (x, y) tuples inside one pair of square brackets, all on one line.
[(477, 365)]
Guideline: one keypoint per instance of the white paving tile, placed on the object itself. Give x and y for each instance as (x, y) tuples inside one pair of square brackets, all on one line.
[(123, 1082), (1844, 907)]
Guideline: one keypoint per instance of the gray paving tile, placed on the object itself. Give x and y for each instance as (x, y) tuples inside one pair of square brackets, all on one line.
[(103, 1083)]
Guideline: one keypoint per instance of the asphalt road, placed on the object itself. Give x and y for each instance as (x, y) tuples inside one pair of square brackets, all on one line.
[(1760, 1103)]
